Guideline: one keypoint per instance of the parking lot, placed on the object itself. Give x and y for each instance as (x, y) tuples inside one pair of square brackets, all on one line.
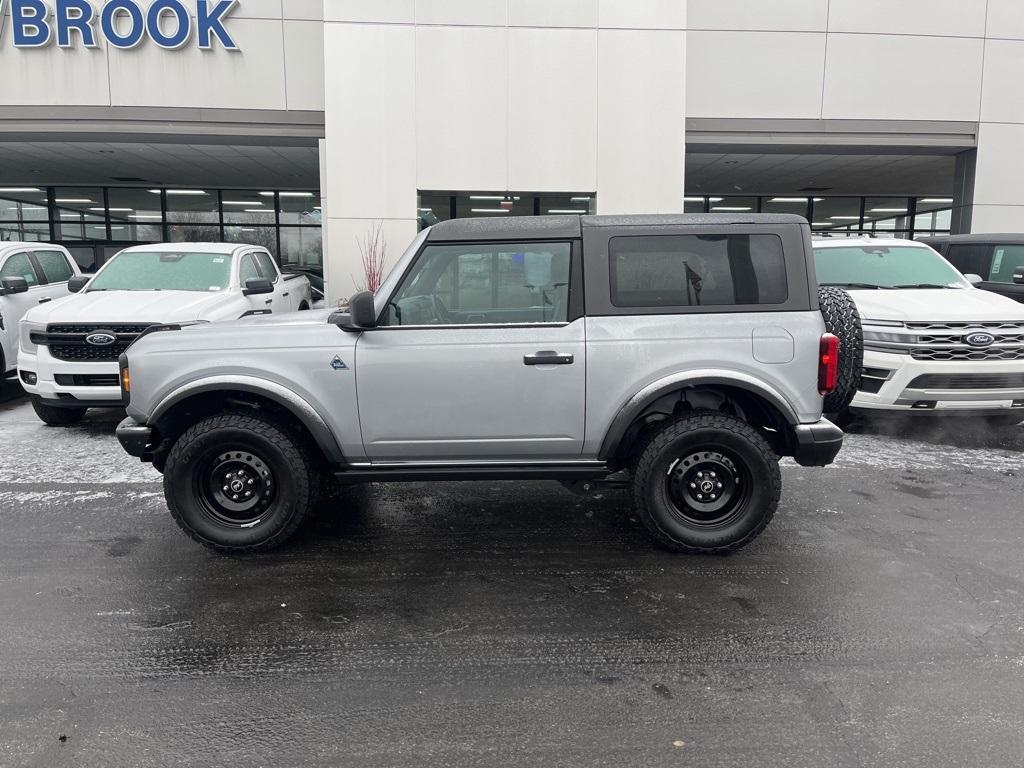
[(878, 622)]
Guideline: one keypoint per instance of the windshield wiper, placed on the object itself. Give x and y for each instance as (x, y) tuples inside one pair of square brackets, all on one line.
[(927, 285), (869, 286)]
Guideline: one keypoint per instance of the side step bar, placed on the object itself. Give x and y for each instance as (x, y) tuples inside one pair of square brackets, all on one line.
[(397, 474)]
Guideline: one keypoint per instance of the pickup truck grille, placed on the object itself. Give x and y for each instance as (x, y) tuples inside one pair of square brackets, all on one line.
[(940, 342), (67, 342)]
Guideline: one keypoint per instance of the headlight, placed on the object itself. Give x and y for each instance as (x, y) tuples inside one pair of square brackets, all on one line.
[(893, 338), (26, 329)]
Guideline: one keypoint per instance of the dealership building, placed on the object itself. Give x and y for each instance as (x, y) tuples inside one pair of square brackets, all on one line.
[(303, 125)]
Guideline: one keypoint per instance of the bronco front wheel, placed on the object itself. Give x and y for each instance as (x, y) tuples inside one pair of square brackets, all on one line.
[(238, 483)]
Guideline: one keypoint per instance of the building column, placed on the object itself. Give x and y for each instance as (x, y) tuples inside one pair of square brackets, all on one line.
[(369, 155), (998, 204), (963, 192), (641, 131)]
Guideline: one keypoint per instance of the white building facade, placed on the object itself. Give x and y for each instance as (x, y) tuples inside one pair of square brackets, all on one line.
[(304, 124)]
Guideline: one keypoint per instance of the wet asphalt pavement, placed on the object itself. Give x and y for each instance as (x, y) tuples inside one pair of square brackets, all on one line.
[(878, 622)]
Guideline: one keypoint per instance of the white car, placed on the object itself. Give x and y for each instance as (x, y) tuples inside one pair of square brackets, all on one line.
[(69, 349), (30, 274), (932, 341)]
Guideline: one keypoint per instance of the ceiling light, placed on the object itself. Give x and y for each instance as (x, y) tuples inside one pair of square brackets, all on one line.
[(715, 199), (730, 208), (145, 216), (579, 199), (488, 210), (27, 208), (818, 199), (888, 210), (293, 194), (693, 199), (565, 210), (69, 215), (823, 224), (242, 202), (947, 200), (247, 229), (788, 200), (20, 189), (115, 210), (73, 200), (113, 228), (845, 218), (256, 210), (192, 192)]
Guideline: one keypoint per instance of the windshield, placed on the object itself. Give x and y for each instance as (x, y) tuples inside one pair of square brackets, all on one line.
[(874, 266), (164, 271)]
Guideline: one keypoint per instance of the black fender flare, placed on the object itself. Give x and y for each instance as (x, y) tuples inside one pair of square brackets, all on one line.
[(651, 393), (282, 396)]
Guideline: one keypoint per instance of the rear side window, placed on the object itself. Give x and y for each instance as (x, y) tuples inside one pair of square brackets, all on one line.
[(697, 270), (971, 259), (20, 266), (56, 268), (1008, 260)]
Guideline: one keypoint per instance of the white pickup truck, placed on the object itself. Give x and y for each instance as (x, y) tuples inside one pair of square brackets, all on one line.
[(69, 348), (30, 274)]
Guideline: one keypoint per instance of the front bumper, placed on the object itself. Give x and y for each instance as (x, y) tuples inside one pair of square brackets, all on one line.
[(817, 444), (900, 390), (47, 389), (136, 439)]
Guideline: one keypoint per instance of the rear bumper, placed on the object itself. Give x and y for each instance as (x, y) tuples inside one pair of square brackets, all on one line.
[(817, 444), (135, 438)]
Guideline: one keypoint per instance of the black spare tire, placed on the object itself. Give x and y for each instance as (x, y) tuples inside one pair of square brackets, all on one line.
[(843, 320)]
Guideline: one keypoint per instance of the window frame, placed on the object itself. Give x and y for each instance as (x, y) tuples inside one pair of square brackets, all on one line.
[(796, 254), (575, 305)]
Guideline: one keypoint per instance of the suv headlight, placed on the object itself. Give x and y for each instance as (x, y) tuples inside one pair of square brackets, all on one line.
[(26, 329)]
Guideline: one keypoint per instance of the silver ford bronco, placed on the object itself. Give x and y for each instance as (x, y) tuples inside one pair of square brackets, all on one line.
[(679, 356)]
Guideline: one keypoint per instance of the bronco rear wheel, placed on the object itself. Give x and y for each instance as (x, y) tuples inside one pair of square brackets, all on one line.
[(238, 483), (706, 483)]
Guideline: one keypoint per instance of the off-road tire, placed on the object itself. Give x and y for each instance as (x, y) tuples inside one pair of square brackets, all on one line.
[(267, 446), (843, 320), (53, 416), (667, 452)]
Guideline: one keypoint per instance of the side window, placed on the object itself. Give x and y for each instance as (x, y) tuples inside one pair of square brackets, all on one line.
[(971, 259), (247, 269), (697, 270), (56, 268), (1007, 261), (485, 284), (266, 266), (19, 265)]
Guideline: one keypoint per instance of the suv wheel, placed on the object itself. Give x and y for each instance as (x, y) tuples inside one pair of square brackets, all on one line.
[(843, 320), (706, 483), (54, 416), (238, 483)]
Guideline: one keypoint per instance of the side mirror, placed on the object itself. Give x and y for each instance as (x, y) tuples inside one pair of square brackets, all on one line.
[(361, 315), (255, 286), (1018, 278), (10, 285), (77, 283), (974, 279)]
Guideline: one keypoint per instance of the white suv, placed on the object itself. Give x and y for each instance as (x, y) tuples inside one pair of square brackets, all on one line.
[(932, 341)]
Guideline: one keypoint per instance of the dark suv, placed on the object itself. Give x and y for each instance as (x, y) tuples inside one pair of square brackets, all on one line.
[(997, 259)]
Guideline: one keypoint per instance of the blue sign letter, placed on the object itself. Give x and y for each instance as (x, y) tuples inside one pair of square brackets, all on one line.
[(210, 23), (108, 20), (75, 15), (182, 18), (28, 17)]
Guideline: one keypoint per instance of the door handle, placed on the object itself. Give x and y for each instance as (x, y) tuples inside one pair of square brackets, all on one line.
[(269, 301), (47, 299), (548, 357), (285, 295)]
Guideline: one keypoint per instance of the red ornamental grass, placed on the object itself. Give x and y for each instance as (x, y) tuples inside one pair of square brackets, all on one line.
[(373, 250)]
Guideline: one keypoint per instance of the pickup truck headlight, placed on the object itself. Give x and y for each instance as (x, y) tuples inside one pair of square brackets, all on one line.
[(26, 329)]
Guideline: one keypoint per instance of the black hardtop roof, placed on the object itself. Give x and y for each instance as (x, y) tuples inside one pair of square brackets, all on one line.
[(999, 238), (565, 227)]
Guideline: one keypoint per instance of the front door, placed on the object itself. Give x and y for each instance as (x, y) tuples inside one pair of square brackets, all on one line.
[(480, 356)]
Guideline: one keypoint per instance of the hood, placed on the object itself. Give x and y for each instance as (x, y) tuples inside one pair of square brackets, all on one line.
[(937, 305), (139, 307)]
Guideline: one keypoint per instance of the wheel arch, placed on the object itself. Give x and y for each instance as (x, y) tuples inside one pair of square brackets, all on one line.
[(212, 394), (666, 395)]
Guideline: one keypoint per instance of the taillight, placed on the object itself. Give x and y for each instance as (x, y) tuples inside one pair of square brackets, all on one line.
[(828, 364)]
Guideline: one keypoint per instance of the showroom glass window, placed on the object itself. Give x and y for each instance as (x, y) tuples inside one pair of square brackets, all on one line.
[(485, 284), (79, 213), (23, 214), (697, 270)]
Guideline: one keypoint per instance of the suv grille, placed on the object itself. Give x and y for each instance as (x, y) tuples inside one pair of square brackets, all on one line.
[(968, 381), (67, 342), (946, 341)]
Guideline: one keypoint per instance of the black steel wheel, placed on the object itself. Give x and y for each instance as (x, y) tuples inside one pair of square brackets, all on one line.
[(706, 483), (239, 483)]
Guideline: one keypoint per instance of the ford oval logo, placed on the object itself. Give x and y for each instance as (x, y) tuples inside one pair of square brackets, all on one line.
[(980, 339), (100, 339)]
